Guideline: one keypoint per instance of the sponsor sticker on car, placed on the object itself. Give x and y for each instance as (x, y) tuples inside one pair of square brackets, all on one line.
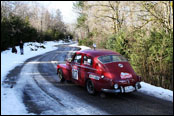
[(124, 75)]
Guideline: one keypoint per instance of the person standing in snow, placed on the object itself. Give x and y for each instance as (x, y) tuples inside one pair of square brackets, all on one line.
[(21, 47), (14, 50)]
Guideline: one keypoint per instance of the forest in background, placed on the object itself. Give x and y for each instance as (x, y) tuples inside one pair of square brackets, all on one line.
[(142, 31), (29, 21)]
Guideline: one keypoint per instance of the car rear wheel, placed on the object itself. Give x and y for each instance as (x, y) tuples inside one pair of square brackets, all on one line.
[(90, 87), (60, 75)]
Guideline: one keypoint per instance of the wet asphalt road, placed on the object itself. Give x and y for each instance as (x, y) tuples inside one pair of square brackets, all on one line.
[(122, 104)]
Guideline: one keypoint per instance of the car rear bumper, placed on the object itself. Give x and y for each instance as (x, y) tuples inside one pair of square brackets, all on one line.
[(111, 90), (122, 89)]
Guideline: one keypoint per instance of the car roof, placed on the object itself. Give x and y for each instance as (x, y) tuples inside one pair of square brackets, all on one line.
[(98, 52)]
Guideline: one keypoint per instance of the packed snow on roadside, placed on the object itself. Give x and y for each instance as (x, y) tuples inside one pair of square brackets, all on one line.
[(10, 60), (158, 92), (11, 100)]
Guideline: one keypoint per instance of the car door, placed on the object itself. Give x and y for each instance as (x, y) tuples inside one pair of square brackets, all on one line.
[(75, 68), (86, 68)]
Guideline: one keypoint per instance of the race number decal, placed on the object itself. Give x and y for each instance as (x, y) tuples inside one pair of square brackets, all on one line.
[(74, 73)]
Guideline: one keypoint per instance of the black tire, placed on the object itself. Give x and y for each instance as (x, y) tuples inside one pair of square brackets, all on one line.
[(90, 87), (60, 75)]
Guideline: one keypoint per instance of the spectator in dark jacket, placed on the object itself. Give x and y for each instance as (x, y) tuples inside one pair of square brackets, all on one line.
[(14, 50), (21, 47)]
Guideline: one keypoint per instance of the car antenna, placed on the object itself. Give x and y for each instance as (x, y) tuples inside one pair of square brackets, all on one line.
[(94, 45)]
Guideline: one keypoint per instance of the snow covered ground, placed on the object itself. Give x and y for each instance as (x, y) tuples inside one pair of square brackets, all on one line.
[(11, 100), (158, 92)]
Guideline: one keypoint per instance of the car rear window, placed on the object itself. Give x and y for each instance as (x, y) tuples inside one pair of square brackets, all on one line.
[(112, 58)]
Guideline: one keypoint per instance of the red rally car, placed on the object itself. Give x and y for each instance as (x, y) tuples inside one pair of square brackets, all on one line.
[(100, 70)]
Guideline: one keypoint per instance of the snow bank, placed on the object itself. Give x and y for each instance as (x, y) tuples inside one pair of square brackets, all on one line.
[(11, 102), (156, 91), (10, 60)]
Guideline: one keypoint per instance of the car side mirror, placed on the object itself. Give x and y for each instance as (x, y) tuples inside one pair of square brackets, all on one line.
[(69, 60)]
